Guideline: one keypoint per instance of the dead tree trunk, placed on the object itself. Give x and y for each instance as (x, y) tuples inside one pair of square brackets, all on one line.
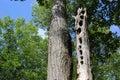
[(82, 46), (59, 48)]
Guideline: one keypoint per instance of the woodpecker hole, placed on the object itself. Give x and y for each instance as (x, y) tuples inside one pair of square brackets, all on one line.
[(81, 57), (81, 62), (81, 52), (81, 23), (78, 30), (80, 40), (77, 75), (79, 46), (82, 11), (81, 17)]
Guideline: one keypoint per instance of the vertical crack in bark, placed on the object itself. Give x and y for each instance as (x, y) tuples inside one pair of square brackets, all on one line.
[(80, 40)]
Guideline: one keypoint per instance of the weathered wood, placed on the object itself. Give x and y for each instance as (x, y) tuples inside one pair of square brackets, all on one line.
[(82, 46), (59, 48)]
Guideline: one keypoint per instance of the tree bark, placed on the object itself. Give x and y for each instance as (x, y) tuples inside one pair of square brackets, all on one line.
[(82, 47), (59, 48)]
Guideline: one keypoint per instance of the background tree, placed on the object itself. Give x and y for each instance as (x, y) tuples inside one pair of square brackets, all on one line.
[(22, 51)]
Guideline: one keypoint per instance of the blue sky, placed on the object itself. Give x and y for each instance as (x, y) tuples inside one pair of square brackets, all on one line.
[(17, 9), (115, 29)]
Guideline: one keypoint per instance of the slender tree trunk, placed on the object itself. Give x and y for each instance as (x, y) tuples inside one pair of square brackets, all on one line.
[(82, 46), (59, 48)]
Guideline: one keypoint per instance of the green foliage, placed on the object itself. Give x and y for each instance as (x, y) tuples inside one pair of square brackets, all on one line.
[(103, 44), (23, 54), (45, 3), (41, 13), (108, 69), (74, 76)]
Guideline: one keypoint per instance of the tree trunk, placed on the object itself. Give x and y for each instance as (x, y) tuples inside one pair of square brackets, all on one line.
[(59, 48), (82, 46)]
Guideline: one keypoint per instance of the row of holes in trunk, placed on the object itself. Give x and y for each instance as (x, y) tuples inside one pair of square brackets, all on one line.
[(78, 31), (80, 24), (81, 52)]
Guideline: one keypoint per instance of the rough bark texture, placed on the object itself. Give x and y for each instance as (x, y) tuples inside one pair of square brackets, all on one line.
[(59, 48), (82, 46)]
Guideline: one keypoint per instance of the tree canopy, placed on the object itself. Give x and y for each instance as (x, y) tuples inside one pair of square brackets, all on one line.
[(22, 51)]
